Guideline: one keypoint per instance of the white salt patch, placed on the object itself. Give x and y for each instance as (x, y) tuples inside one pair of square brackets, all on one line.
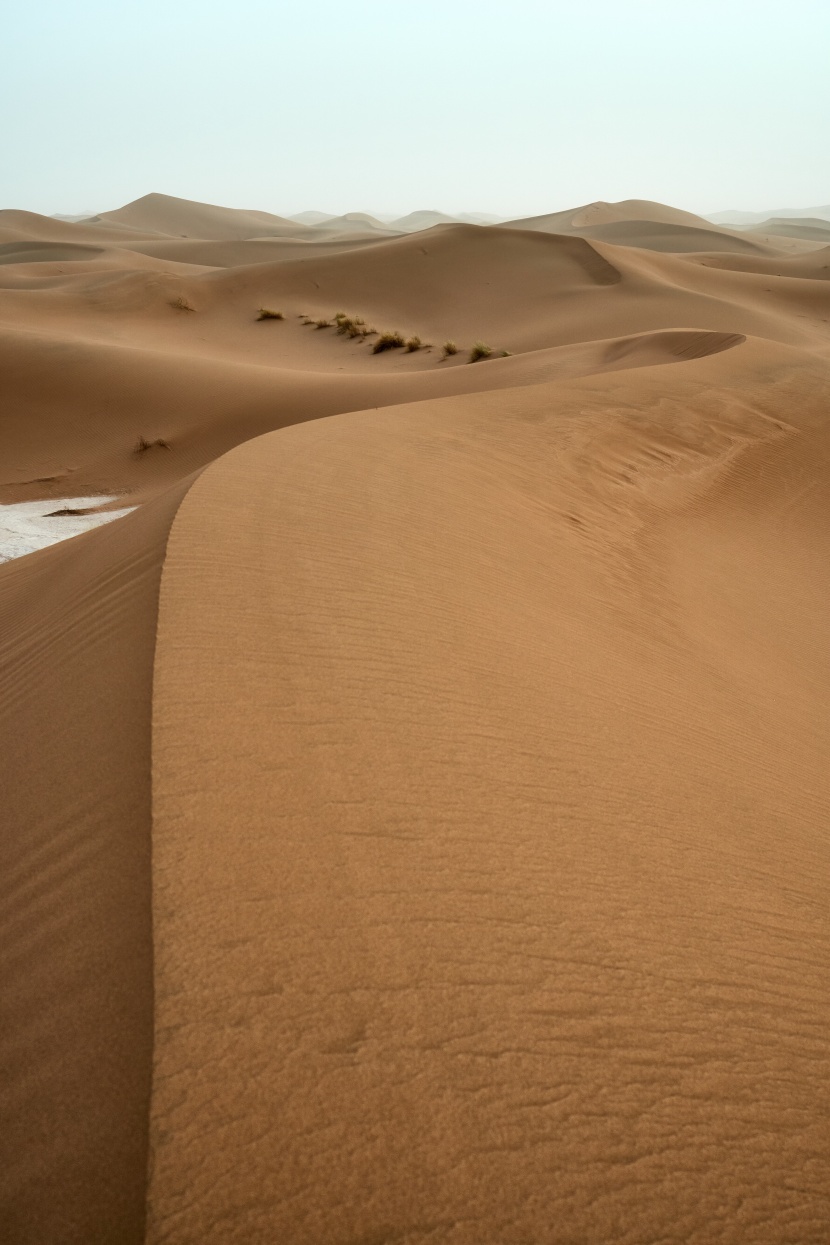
[(29, 525)]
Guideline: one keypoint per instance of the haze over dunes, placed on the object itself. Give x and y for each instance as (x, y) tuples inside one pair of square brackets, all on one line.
[(416, 808)]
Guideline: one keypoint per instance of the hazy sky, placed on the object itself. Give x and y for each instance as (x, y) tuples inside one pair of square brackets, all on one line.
[(511, 106)]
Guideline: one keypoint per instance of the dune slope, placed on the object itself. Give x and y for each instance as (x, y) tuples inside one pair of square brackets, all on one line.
[(78, 631), (498, 804)]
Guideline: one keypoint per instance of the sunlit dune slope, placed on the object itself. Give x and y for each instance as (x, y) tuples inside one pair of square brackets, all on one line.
[(500, 821)]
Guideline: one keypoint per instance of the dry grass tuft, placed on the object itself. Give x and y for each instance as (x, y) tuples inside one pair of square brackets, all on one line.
[(388, 341), (413, 343), (142, 445), (450, 348), (480, 350), (322, 324), (181, 304), (265, 313)]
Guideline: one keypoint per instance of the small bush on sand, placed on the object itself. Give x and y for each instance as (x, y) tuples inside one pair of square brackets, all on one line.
[(388, 341), (142, 445), (449, 349), (480, 350), (265, 313), (322, 324), (351, 326), (181, 304), (413, 343)]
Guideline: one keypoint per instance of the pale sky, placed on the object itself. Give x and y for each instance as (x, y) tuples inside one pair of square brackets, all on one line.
[(515, 107)]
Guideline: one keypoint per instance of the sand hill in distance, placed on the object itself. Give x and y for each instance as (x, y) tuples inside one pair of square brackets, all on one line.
[(416, 806)]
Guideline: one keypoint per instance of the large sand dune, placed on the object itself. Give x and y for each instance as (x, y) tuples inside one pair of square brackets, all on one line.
[(415, 811)]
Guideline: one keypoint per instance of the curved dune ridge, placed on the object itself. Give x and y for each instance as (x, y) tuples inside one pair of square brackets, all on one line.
[(415, 811)]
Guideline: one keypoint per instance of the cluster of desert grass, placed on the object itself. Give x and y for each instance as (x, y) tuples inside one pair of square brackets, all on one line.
[(396, 341), (356, 327)]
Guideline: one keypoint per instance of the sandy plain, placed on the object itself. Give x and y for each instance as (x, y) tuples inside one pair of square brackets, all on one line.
[(415, 810)]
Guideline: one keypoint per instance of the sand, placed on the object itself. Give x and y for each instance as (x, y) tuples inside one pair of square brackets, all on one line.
[(416, 808)]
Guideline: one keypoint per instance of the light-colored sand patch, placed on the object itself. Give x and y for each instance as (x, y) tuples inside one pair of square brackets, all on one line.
[(29, 525)]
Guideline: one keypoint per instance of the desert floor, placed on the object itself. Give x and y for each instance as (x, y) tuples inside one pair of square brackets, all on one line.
[(415, 810)]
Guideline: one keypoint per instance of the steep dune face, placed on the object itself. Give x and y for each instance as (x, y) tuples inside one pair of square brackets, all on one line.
[(414, 823)]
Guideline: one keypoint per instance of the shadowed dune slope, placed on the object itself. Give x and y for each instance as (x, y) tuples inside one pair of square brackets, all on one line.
[(77, 633), (489, 808)]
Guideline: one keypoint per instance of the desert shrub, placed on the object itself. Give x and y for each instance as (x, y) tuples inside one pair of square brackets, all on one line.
[(506, 354), (265, 313), (181, 304), (351, 326), (388, 341), (413, 343), (449, 348), (480, 350), (322, 324), (142, 445)]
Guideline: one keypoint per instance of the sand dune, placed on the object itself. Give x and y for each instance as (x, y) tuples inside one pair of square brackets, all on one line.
[(181, 217), (416, 808), (591, 214), (810, 230), (639, 223)]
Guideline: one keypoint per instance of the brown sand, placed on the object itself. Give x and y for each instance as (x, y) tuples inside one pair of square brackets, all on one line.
[(479, 729)]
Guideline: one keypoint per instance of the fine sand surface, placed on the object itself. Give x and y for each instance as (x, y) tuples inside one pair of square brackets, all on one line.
[(415, 811)]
